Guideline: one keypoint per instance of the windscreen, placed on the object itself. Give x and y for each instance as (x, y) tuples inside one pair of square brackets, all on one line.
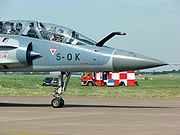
[(59, 33)]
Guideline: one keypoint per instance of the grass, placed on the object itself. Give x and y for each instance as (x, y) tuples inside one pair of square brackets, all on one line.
[(161, 86)]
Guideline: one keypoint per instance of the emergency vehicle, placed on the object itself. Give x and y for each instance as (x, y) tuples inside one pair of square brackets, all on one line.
[(109, 78)]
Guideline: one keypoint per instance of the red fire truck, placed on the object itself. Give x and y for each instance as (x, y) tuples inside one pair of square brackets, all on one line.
[(109, 78)]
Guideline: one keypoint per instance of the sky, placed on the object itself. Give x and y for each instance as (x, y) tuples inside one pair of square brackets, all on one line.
[(152, 26)]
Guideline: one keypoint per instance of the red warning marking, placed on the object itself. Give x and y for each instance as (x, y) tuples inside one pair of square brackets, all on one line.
[(5, 54), (53, 50)]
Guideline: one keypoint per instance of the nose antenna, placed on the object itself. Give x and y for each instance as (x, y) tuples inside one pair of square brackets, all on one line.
[(101, 43)]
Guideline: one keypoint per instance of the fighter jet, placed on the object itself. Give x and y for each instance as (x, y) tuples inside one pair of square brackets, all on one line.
[(33, 46)]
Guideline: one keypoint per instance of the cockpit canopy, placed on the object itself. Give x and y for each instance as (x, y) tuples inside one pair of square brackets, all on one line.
[(46, 31)]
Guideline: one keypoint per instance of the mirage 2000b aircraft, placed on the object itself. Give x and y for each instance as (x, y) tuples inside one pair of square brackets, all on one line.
[(32, 46)]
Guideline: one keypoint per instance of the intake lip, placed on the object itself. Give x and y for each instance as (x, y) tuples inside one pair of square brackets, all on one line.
[(127, 61)]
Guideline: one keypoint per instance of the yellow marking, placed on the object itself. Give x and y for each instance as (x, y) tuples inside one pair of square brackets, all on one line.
[(87, 74)]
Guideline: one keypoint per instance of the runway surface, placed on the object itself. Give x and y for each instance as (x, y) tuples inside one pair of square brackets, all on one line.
[(89, 116)]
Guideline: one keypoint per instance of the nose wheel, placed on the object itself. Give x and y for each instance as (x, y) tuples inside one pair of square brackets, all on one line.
[(57, 103)]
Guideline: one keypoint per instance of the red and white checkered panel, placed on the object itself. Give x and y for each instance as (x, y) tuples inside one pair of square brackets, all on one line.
[(125, 82), (115, 75), (116, 82), (127, 77), (109, 76), (130, 71), (123, 75), (130, 76), (130, 82)]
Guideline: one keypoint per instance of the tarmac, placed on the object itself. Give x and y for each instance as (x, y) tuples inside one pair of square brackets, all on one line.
[(89, 116)]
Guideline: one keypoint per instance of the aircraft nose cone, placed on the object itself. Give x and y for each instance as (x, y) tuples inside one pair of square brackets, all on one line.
[(127, 61)]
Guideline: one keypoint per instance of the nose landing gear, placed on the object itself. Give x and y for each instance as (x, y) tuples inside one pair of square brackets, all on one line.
[(58, 101)]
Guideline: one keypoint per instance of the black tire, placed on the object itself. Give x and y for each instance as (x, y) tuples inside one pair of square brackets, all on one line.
[(57, 103), (90, 84), (62, 103), (122, 84)]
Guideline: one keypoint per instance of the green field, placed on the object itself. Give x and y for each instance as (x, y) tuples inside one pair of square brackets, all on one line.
[(161, 86)]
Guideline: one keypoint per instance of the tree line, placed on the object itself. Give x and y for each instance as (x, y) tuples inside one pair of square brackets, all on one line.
[(159, 72)]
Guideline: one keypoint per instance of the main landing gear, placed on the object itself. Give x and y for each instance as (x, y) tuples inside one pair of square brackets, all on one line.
[(58, 102)]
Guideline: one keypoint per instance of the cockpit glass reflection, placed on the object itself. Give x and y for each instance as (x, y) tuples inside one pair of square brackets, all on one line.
[(30, 31), (46, 31), (11, 28), (61, 34)]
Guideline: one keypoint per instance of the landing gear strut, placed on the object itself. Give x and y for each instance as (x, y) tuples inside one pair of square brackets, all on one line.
[(58, 101)]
